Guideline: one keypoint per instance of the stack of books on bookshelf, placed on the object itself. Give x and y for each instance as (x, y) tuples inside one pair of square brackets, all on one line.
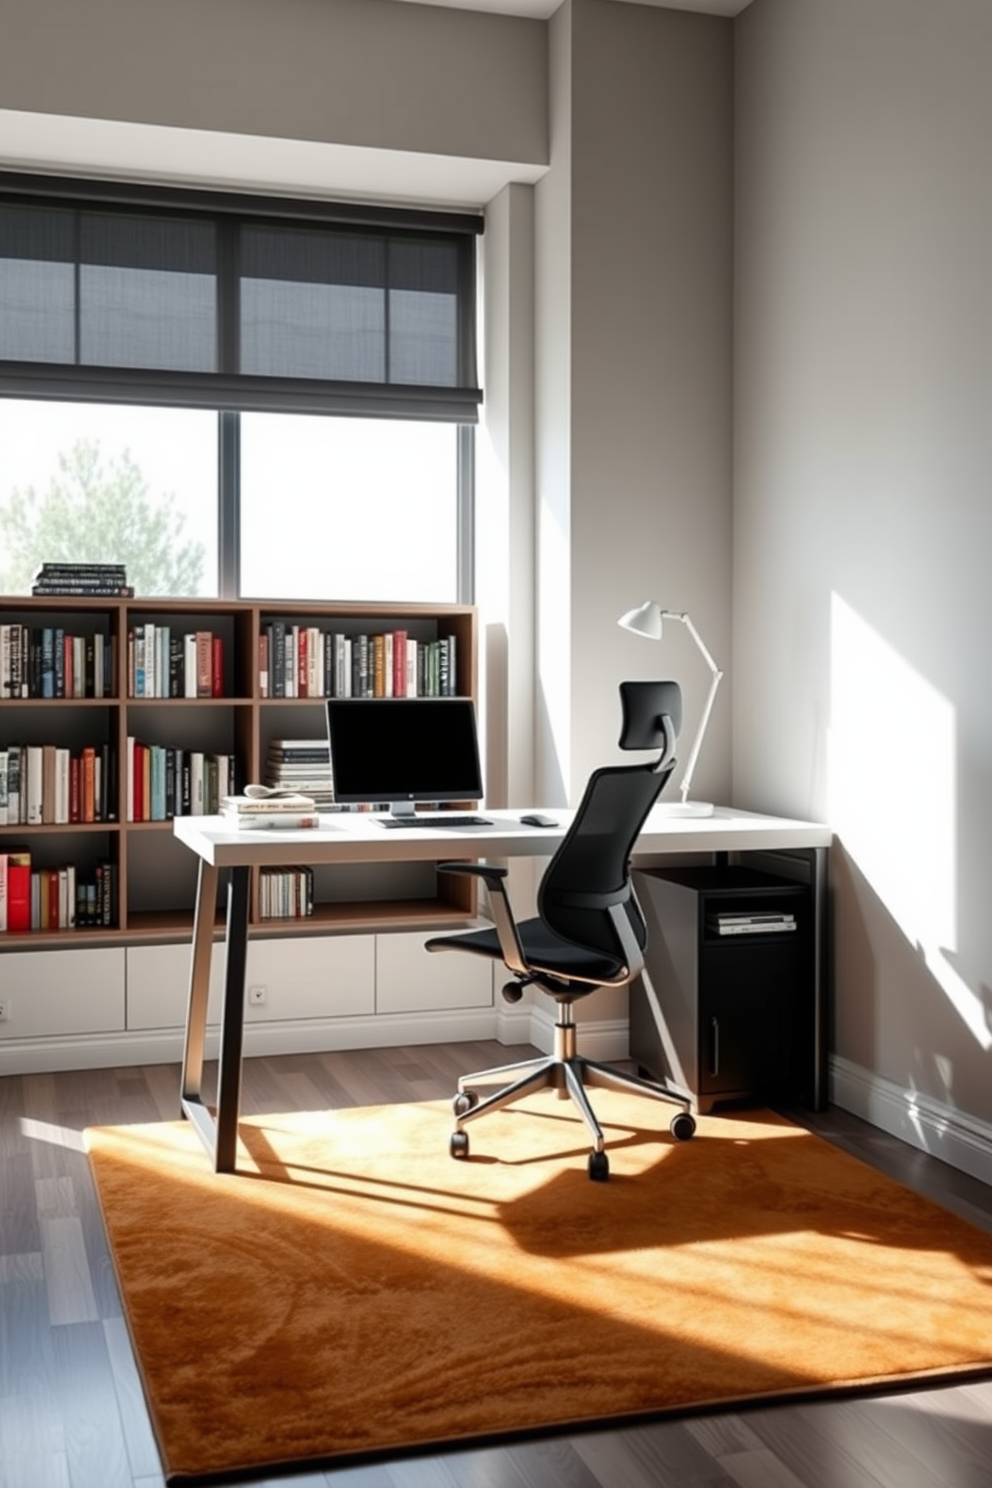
[(167, 663), (49, 784), (285, 893), (95, 580), (752, 922), (299, 661), (164, 782), (262, 808), (47, 661), (55, 898), (301, 765)]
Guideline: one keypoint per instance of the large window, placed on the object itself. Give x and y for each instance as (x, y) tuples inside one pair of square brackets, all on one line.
[(234, 395)]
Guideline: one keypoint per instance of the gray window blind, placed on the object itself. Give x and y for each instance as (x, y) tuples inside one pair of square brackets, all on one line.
[(237, 306)]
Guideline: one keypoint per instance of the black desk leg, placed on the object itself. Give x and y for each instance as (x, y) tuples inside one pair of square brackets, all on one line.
[(233, 1023), (191, 1085)]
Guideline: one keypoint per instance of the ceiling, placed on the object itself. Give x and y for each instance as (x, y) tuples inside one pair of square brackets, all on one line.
[(541, 9)]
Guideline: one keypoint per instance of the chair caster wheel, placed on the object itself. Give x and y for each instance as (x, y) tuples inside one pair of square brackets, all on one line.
[(682, 1126), (599, 1167), (464, 1101), (458, 1144)]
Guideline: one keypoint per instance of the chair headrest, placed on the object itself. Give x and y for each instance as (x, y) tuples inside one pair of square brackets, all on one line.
[(645, 707)]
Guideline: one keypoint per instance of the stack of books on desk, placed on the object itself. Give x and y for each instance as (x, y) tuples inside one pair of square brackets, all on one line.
[(756, 922), (262, 807)]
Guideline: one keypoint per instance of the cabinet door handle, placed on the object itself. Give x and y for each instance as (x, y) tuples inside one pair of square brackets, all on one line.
[(714, 1046)]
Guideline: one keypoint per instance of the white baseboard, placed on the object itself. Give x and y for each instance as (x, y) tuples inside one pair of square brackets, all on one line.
[(313, 1035), (960, 1140), (520, 1024)]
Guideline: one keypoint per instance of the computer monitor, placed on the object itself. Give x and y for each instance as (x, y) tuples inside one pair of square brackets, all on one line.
[(398, 751)]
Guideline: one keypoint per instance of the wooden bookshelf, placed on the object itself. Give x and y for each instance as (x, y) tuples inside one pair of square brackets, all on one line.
[(154, 877)]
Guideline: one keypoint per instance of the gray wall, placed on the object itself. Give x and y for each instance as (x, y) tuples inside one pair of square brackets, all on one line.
[(367, 73), (863, 519), (634, 372)]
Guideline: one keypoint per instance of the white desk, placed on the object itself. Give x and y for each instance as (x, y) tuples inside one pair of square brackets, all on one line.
[(357, 838)]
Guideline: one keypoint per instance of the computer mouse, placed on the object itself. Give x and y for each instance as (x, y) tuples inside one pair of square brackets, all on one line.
[(535, 819)]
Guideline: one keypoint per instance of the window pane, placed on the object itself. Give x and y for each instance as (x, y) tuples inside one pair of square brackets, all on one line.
[(109, 484), (360, 509)]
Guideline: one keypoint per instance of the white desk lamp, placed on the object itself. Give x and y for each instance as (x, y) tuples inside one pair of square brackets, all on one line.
[(646, 620)]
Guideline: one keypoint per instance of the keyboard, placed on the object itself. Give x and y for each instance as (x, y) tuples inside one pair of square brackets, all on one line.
[(441, 820)]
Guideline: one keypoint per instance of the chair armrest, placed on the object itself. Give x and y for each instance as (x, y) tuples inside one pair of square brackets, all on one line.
[(493, 876)]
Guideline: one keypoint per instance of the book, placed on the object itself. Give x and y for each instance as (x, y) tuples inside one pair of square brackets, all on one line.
[(261, 821), (262, 800), (204, 664), (56, 587), (82, 572), (758, 923), (18, 889)]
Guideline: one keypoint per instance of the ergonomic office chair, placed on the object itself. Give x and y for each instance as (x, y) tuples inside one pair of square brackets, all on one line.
[(589, 931)]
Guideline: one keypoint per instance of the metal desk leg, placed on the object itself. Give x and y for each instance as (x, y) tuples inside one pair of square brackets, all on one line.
[(233, 1022), (191, 1086)]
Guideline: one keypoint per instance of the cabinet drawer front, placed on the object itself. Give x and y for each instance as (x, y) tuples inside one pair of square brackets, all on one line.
[(410, 979), (62, 992)]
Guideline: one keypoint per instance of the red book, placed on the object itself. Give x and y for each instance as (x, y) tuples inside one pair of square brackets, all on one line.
[(302, 687), (217, 666), (75, 789), (53, 899), (19, 891), (89, 784), (138, 783)]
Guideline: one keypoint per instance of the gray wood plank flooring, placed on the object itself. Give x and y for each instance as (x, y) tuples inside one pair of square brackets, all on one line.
[(72, 1414)]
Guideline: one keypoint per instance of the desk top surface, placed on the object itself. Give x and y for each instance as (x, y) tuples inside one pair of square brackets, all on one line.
[(357, 837)]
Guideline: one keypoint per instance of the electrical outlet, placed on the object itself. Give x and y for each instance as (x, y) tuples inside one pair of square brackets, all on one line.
[(4, 1011), (257, 996)]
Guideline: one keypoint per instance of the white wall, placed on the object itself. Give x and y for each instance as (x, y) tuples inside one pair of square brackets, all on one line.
[(862, 518)]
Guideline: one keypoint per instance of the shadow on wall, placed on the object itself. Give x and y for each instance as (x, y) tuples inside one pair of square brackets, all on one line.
[(900, 1011)]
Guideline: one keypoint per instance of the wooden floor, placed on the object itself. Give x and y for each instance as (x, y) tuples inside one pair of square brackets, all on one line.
[(71, 1408)]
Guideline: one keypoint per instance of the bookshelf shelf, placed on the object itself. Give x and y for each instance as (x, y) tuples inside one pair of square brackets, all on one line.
[(152, 877)]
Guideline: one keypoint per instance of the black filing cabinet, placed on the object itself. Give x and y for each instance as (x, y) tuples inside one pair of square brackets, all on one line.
[(725, 1016)]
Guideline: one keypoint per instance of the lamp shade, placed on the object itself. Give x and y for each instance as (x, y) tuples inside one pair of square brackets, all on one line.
[(646, 620)]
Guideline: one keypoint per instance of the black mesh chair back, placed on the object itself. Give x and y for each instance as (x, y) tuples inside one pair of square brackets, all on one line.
[(591, 869), (589, 932)]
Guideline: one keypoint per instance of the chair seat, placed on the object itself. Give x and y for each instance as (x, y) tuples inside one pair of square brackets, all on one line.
[(543, 949)]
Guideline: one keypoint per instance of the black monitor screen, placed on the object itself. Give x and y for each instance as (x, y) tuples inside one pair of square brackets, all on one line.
[(400, 750)]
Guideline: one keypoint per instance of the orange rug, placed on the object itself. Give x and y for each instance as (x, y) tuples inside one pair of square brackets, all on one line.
[(352, 1290)]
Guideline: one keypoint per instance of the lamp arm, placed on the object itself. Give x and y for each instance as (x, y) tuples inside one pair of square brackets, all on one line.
[(707, 707)]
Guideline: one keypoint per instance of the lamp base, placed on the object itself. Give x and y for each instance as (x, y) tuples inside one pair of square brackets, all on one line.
[(684, 808)]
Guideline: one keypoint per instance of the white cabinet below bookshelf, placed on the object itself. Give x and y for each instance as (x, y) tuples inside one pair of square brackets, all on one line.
[(410, 979), (67, 993)]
